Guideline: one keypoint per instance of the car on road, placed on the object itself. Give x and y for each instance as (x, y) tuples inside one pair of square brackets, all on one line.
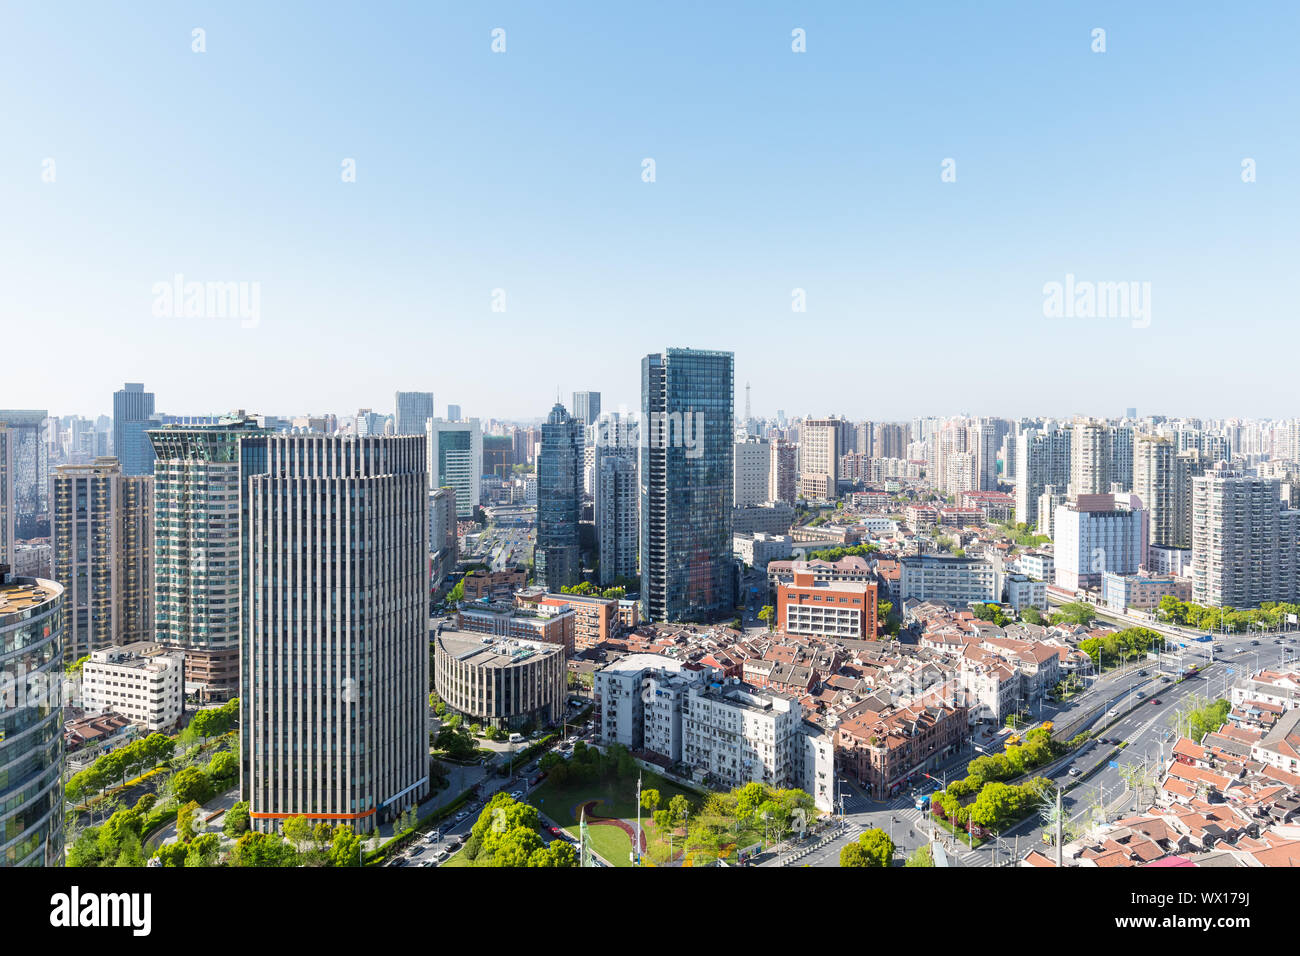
[(441, 855), (555, 831), (517, 794), (1075, 772), (1142, 673), (462, 815), (1155, 700), (1254, 643), (1138, 694), (1165, 678)]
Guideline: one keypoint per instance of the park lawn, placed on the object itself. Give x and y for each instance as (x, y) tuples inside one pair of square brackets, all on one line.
[(618, 797)]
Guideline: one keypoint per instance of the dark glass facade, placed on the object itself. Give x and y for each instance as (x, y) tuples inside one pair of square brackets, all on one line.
[(687, 465), (557, 561)]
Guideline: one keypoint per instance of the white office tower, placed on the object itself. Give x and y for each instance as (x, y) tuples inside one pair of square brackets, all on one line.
[(413, 410), (753, 464), (1089, 457), (456, 458), (1042, 459), (1094, 534), (334, 664), (1163, 481), (1244, 541)]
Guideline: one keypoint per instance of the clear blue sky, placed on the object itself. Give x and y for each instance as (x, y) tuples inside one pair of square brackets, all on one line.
[(775, 170)]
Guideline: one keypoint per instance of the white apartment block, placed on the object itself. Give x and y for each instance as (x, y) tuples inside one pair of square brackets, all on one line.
[(140, 682), (1244, 541), (753, 465), (953, 580)]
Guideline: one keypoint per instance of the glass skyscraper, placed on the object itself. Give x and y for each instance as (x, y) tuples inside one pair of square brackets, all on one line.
[(557, 560), (31, 722), (413, 410), (686, 483), (132, 409)]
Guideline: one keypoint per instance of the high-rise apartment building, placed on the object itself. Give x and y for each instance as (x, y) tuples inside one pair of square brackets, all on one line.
[(1042, 459), (781, 479), (1121, 456), (1090, 471), (1244, 541), (890, 440), (102, 529), (753, 467), (334, 569), (196, 548), (132, 409), (686, 482), (615, 512), (31, 721), (456, 459), (413, 410), (1163, 482), (557, 560)]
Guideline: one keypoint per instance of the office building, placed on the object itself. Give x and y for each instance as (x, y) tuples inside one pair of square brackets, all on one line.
[(31, 721), (142, 682), (1095, 534), (413, 410), (334, 571), (500, 682), (686, 479), (8, 537), (557, 559), (586, 407), (946, 578), (196, 549), (132, 409), (456, 459), (453, 413), (753, 467), (103, 555), (443, 541), (814, 606), (819, 456), (31, 467)]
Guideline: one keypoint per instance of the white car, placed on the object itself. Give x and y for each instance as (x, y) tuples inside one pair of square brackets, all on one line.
[(517, 794), (1075, 772)]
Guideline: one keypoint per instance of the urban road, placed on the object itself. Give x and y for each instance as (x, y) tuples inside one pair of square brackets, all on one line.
[(1147, 731)]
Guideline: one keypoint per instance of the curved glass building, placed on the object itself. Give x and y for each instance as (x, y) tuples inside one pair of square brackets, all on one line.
[(31, 721)]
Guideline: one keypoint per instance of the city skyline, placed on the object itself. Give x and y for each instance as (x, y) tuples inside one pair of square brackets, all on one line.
[(775, 171)]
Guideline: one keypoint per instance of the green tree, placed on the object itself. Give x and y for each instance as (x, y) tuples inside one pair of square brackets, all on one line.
[(185, 821), (191, 783), (650, 800), (921, 856), (203, 850), (345, 850), (236, 820), (298, 831), (877, 846), (768, 616), (172, 854)]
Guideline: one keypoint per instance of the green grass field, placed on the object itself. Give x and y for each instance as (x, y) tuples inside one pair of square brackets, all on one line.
[(617, 799)]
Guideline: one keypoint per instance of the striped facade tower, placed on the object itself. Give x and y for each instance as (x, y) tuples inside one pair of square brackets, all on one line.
[(334, 656)]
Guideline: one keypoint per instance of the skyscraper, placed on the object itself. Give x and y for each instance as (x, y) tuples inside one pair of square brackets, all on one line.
[(31, 721), (1121, 456), (453, 413), (557, 561), (413, 410), (334, 572), (456, 458), (7, 538), (102, 528), (586, 407), (31, 467), (132, 409), (687, 406), (196, 548)]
